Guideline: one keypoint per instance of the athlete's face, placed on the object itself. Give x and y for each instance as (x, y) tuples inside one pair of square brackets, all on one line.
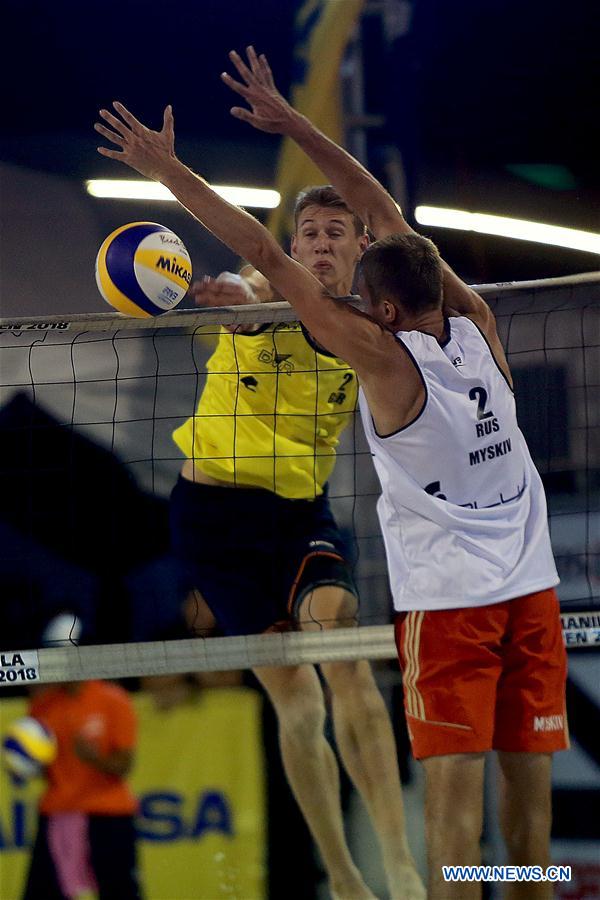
[(327, 244)]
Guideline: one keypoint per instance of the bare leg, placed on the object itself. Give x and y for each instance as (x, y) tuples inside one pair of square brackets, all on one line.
[(453, 820), (312, 771), (197, 615), (366, 743), (170, 690), (526, 817), (308, 759)]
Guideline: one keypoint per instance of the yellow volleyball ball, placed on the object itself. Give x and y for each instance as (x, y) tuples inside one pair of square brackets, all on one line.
[(27, 747), (143, 269)]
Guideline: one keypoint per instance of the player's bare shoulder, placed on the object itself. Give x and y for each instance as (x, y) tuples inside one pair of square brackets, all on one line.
[(462, 300)]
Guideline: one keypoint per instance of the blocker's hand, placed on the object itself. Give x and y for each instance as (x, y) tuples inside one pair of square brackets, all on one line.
[(269, 111), (148, 152), (225, 290)]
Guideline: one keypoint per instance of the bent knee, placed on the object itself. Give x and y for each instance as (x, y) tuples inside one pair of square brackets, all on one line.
[(301, 718), (297, 698), (530, 824), (353, 680), (463, 828), (328, 606)]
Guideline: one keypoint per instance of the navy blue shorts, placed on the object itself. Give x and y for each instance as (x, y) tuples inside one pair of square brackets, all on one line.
[(254, 555)]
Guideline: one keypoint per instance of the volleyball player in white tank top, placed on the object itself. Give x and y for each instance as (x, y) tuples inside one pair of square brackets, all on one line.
[(462, 511), (476, 677)]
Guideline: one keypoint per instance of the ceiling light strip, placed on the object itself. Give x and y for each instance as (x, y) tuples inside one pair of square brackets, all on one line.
[(504, 226), (125, 189)]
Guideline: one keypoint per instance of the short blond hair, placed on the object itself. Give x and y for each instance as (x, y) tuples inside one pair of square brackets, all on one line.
[(326, 196)]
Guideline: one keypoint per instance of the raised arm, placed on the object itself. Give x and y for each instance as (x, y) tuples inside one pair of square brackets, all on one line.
[(334, 324), (269, 111)]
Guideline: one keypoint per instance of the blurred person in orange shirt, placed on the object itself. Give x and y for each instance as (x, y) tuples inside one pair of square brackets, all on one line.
[(86, 843)]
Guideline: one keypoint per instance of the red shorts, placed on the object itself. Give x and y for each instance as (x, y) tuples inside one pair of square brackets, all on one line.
[(485, 678)]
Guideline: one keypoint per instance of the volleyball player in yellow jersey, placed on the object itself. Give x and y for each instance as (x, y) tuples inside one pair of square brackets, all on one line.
[(250, 515), (268, 424), (261, 557), (263, 545), (275, 403)]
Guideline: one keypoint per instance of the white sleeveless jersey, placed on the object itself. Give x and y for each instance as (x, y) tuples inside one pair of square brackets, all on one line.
[(462, 510)]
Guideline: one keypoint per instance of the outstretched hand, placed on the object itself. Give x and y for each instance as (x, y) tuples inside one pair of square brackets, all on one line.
[(146, 151), (269, 110), (225, 290)]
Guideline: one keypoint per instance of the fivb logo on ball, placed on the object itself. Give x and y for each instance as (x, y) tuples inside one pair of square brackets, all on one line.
[(143, 269)]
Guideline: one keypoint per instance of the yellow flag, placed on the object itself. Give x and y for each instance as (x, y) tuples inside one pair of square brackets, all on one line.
[(323, 28)]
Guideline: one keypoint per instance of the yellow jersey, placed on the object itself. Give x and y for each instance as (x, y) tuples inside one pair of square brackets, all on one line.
[(271, 412)]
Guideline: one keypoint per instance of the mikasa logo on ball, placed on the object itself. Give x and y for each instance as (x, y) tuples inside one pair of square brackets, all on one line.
[(174, 266)]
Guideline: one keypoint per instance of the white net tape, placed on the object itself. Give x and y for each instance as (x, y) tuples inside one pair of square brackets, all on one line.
[(223, 654)]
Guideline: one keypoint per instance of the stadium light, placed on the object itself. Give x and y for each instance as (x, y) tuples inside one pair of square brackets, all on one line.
[(125, 189), (503, 226)]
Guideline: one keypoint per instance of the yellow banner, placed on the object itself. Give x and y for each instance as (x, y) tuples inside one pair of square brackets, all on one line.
[(323, 28), (200, 780)]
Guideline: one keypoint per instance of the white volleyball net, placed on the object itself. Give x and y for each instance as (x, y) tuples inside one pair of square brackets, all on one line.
[(88, 405)]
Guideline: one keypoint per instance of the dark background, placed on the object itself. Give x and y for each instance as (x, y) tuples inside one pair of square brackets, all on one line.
[(473, 90)]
